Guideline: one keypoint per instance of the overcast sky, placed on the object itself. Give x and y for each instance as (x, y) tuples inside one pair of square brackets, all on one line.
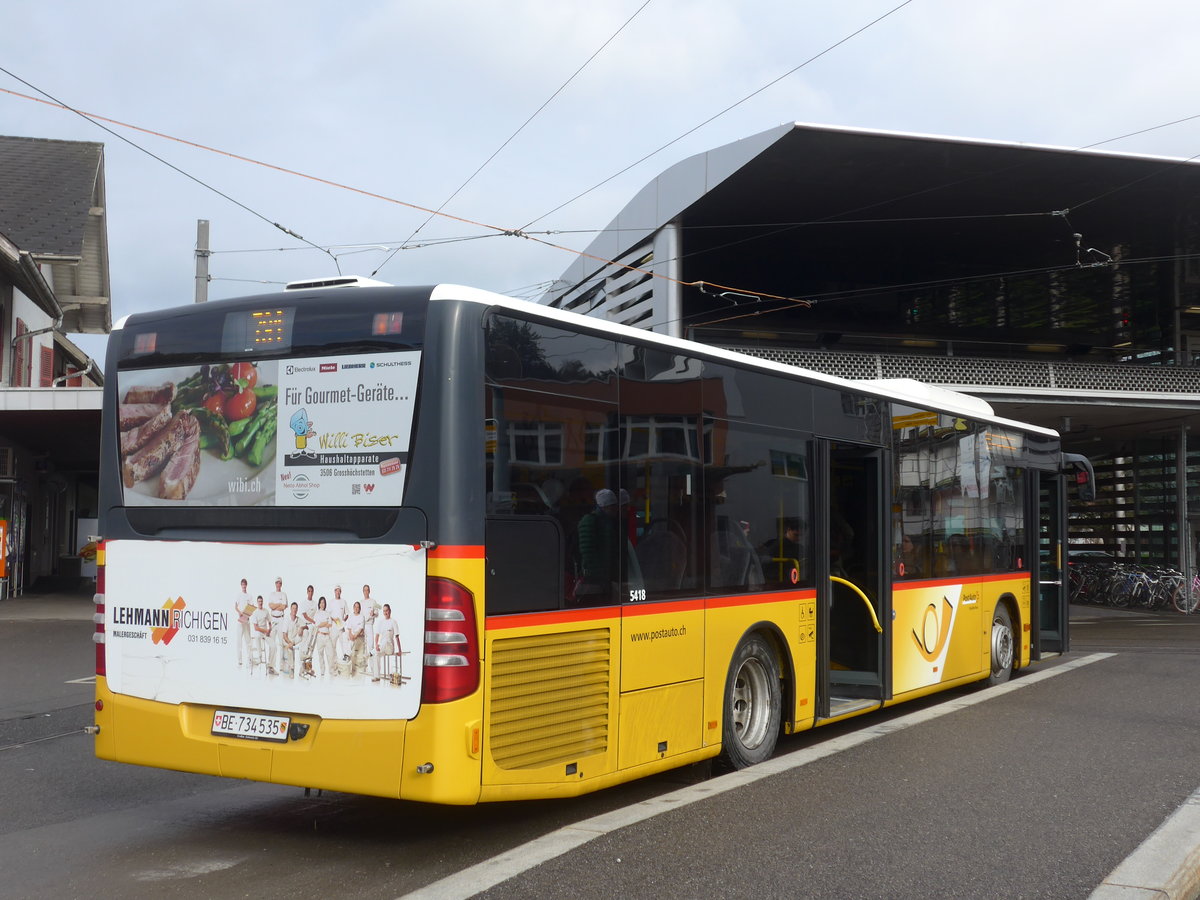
[(407, 99)]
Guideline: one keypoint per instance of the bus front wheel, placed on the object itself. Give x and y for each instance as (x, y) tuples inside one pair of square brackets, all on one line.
[(752, 704), (1003, 644)]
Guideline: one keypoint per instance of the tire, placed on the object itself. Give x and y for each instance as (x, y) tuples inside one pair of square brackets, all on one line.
[(1139, 594), (1185, 601), (1003, 645), (752, 705)]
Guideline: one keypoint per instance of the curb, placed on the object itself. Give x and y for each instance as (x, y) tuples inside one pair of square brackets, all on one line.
[(1166, 865)]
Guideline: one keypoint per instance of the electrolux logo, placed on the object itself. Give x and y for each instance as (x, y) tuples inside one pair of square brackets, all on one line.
[(296, 370)]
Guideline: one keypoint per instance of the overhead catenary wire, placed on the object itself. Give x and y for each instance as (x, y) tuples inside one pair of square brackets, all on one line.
[(512, 136), (500, 231), (718, 115), (98, 122)]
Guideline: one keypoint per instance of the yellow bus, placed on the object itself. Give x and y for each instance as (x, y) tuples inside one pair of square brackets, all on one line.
[(441, 545)]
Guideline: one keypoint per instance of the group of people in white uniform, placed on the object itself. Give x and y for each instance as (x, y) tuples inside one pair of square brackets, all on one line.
[(317, 638)]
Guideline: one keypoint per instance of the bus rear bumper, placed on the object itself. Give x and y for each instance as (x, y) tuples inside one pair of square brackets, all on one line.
[(361, 757)]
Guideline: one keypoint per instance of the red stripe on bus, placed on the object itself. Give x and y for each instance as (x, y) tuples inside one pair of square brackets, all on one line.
[(654, 607), (646, 608), (553, 617), (754, 599), (457, 551), (916, 584)]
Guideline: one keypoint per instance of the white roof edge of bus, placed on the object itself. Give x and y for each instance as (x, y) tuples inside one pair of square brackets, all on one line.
[(120, 323), (937, 395), (905, 390)]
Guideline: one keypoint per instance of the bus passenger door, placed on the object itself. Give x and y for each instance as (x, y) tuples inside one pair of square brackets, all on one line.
[(852, 607), (1051, 617)]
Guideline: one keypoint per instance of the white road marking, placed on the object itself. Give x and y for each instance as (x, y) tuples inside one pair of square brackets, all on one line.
[(185, 870), (91, 679), (511, 863)]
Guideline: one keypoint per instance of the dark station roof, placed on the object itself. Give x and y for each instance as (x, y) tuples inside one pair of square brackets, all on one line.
[(858, 221)]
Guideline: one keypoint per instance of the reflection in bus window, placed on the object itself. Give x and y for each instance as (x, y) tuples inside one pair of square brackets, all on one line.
[(759, 509), (959, 496)]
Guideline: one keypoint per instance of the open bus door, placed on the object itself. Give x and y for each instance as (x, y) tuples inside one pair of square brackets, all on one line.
[(1051, 620), (1051, 626), (853, 602)]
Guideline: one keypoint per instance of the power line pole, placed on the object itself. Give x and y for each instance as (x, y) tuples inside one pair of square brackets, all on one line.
[(201, 260)]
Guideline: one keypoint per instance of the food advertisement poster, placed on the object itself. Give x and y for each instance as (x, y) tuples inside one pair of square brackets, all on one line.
[(323, 431), (333, 630)]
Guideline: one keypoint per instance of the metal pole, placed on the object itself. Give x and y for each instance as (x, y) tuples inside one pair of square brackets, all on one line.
[(1181, 509), (201, 260)]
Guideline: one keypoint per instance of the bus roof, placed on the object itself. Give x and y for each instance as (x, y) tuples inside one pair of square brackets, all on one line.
[(902, 390)]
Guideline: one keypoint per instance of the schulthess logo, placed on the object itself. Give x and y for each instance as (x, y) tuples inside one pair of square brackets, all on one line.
[(329, 367)]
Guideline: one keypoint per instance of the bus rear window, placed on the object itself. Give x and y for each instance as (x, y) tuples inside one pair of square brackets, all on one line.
[(303, 431)]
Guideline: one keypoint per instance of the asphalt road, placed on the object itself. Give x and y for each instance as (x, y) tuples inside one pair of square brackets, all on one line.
[(1038, 792)]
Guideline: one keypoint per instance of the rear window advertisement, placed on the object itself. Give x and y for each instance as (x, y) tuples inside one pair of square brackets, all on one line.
[(326, 431), (333, 630)]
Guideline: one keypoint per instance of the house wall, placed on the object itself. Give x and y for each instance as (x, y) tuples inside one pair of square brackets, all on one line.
[(34, 318)]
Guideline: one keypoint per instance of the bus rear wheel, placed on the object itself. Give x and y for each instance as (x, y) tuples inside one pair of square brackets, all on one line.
[(752, 705), (1003, 645)]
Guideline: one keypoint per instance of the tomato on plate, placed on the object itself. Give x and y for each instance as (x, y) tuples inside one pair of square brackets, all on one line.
[(215, 404), (241, 405), (245, 372)]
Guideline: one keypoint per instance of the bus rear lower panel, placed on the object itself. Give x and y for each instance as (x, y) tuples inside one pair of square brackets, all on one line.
[(378, 758)]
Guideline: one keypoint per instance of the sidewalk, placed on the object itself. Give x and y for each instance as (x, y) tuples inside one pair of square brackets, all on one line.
[(75, 606)]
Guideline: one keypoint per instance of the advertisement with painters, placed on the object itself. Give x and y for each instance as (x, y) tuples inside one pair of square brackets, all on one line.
[(333, 630)]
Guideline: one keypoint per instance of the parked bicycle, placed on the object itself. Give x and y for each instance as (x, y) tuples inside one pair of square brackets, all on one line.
[(1124, 585)]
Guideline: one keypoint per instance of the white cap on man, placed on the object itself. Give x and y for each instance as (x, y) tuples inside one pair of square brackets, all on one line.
[(605, 497)]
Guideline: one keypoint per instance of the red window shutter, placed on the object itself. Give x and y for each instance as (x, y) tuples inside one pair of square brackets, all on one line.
[(74, 382), (46, 373), (20, 374)]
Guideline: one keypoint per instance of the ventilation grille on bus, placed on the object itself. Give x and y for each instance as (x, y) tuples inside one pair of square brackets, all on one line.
[(549, 698)]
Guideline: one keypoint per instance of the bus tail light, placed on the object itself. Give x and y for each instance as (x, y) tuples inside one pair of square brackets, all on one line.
[(451, 665), (98, 617)]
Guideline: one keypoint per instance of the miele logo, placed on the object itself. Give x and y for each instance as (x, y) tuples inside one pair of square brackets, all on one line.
[(329, 367)]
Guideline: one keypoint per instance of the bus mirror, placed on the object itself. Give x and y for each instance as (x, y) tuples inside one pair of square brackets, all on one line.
[(1079, 469)]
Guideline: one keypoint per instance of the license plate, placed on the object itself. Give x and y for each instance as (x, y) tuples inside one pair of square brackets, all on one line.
[(251, 726)]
